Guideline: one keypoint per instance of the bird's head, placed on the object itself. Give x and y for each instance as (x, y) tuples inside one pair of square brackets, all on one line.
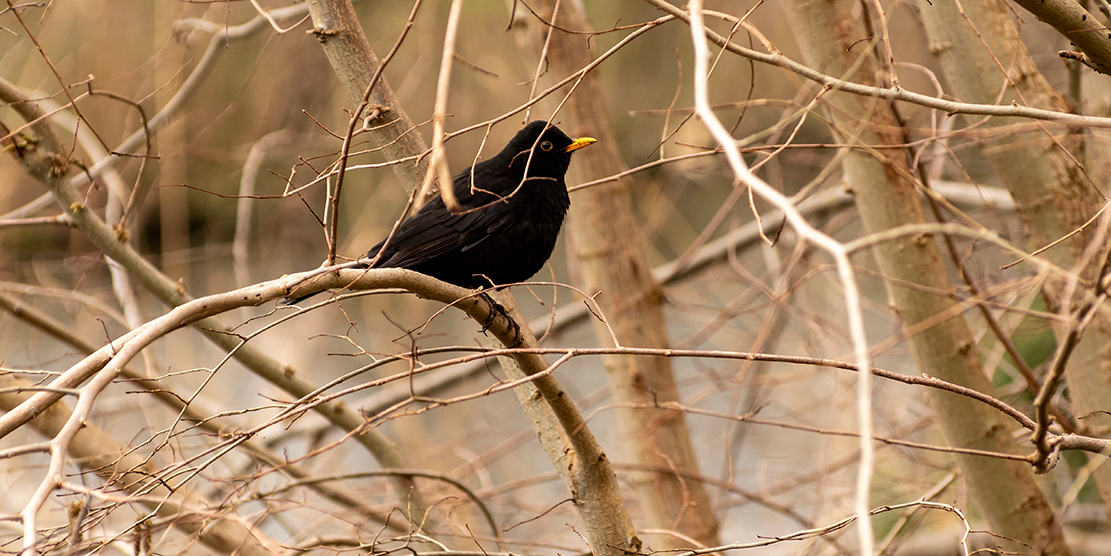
[(551, 149)]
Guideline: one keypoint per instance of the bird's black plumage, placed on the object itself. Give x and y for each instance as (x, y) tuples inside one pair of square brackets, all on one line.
[(508, 224)]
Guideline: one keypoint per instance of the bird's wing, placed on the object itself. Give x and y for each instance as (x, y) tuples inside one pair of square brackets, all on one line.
[(434, 231), (491, 222)]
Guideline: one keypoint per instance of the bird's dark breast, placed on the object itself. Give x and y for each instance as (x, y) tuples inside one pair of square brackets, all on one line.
[(534, 239)]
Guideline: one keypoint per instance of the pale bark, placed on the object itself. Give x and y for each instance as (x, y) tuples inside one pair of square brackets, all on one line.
[(341, 36), (611, 255), (1052, 192), (830, 40)]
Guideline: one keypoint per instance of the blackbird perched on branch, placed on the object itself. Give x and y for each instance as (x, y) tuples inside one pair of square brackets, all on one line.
[(509, 221)]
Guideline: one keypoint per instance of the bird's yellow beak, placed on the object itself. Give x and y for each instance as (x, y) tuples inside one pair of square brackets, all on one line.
[(579, 143)]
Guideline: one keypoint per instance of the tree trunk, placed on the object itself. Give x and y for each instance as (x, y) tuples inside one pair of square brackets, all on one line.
[(830, 40), (611, 254), (1053, 193)]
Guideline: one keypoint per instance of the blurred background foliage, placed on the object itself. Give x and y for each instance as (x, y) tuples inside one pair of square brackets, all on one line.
[(281, 82)]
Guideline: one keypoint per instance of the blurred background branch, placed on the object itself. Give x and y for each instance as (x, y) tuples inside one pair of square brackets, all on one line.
[(206, 157)]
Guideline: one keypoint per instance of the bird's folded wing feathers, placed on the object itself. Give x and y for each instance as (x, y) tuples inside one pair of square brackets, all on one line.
[(429, 237)]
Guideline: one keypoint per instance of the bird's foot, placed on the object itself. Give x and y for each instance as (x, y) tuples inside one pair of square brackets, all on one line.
[(497, 310)]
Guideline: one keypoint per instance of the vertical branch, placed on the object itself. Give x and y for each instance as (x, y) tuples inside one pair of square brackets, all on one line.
[(889, 56), (355, 64), (437, 166), (613, 256), (347, 49), (1045, 172), (245, 202), (840, 256)]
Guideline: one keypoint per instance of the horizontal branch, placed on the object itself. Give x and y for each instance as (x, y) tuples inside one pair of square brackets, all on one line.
[(892, 93)]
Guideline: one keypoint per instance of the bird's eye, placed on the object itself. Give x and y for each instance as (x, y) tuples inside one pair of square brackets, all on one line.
[(546, 145)]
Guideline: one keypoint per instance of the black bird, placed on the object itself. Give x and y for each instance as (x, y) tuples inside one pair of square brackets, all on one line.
[(508, 224)]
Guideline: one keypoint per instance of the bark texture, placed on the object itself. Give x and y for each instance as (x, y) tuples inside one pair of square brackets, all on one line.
[(611, 255), (830, 40), (354, 63), (1053, 193)]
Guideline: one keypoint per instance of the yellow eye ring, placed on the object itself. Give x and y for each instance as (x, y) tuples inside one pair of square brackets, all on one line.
[(546, 145)]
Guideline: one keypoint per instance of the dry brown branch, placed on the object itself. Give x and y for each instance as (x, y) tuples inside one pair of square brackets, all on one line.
[(1007, 145)]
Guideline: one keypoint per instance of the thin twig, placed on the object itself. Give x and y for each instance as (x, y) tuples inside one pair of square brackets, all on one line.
[(356, 116)]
